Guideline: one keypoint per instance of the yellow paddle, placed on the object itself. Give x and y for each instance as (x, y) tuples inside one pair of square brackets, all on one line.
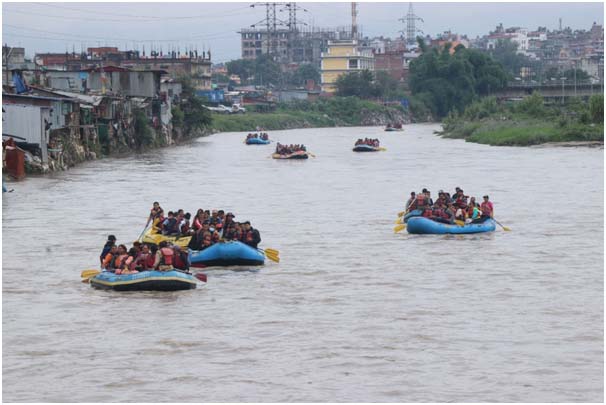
[(399, 228), (383, 149), (89, 273), (506, 229), (311, 154), (272, 251), (271, 254)]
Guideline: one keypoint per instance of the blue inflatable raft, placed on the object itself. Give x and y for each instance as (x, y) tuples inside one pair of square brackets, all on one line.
[(365, 148), (422, 225), (413, 213), (153, 280), (257, 141), (231, 253)]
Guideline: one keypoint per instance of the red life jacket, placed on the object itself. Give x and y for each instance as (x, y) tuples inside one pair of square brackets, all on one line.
[(178, 262), (427, 213), (438, 212), (149, 261), (249, 236), (167, 256), (421, 201)]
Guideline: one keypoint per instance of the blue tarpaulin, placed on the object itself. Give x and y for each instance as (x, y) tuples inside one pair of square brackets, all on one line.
[(214, 96)]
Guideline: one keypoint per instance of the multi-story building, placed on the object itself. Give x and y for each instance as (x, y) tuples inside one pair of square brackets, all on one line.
[(290, 46), (343, 57), (197, 66)]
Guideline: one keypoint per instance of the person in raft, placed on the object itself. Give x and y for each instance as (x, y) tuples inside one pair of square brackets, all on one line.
[(111, 242), (155, 213), (447, 209)]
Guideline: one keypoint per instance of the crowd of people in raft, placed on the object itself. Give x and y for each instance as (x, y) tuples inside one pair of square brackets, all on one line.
[(396, 126), (262, 136), (206, 229), (288, 149), (367, 141), (448, 209)]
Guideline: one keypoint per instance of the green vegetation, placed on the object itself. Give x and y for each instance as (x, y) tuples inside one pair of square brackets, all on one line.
[(447, 82), (529, 122), (144, 134), (264, 71), (336, 111), (190, 114)]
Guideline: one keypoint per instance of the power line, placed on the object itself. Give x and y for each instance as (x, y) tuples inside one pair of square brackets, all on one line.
[(217, 35), (226, 14)]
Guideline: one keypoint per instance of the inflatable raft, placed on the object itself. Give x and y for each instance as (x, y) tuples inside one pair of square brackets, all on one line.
[(257, 141), (232, 253), (392, 129), (153, 280), (422, 225), (296, 155), (150, 236), (366, 148)]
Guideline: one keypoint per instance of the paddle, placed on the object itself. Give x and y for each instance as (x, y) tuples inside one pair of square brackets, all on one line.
[(506, 229), (88, 274), (382, 149), (201, 277), (399, 228), (311, 154), (271, 254), (143, 231)]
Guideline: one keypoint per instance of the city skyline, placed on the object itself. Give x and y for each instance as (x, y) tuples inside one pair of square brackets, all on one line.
[(60, 27)]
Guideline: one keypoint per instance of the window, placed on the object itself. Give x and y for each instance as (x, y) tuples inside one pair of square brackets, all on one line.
[(353, 63)]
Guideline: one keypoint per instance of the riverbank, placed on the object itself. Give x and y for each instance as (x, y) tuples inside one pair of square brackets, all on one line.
[(335, 112), (527, 123)]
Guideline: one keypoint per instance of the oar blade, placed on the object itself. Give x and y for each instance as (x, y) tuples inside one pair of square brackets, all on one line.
[(273, 258), (399, 228), (89, 273), (201, 276), (272, 251)]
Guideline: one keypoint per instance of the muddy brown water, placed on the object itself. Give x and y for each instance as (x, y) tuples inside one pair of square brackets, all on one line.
[(353, 313)]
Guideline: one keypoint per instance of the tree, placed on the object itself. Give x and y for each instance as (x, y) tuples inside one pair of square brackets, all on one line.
[(452, 81), (267, 71), (241, 67), (304, 72), (191, 112), (359, 84), (506, 54)]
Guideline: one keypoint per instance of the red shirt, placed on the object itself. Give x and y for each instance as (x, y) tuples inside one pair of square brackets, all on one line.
[(486, 208)]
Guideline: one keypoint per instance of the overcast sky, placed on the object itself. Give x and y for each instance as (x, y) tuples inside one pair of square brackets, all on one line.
[(57, 27)]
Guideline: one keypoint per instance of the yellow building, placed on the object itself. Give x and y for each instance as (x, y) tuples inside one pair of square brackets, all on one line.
[(343, 57)]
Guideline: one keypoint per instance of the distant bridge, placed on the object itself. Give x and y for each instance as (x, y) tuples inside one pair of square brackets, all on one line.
[(550, 91)]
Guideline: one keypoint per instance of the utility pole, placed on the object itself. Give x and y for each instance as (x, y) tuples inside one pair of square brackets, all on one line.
[(354, 25)]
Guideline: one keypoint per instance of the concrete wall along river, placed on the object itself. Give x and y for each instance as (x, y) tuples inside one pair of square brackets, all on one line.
[(353, 313)]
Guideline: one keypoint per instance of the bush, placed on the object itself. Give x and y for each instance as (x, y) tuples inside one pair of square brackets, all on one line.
[(144, 134), (532, 106), (178, 116), (596, 108)]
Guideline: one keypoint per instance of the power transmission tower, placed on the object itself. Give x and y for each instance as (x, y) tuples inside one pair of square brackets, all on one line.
[(411, 31), (271, 23)]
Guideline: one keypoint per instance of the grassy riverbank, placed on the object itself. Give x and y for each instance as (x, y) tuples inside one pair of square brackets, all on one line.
[(527, 123), (337, 111)]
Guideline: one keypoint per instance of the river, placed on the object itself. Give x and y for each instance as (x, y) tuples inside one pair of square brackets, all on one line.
[(352, 313)]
